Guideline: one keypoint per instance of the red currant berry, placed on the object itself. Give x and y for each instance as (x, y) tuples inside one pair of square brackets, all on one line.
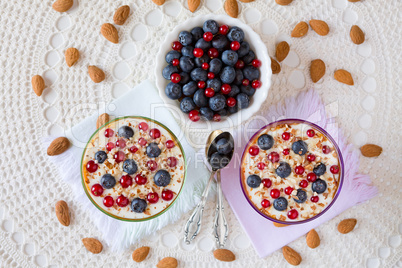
[(176, 45), (217, 117), (311, 177), (110, 146), (256, 84), (91, 166), (285, 136), (314, 199), (239, 64), (261, 165), (119, 156), (126, 181), (209, 92), (121, 143), (140, 180), (245, 82), (326, 149), (175, 78), (299, 170), (273, 157), (122, 201), (213, 53), (208, 36), (286, 151), (154, 133), (172, 161), (97, 189), (109, 132), (265, 203), (152, 198), (143, 126), (267, 183), (223, 29), (311, 157), (175, 62), (167, 195), (231, 102), (226, 88), (201, 84), (152, 165), (205, 66), (275, 193), (334, 169), (108, 201), (211, 75), (256, 63), (194, 115), (170, 144), (288, 190), (133, 149), (198, 52), (293, 214), (303, 184), (235, 45), (142, 142), (254, 150), (310, 133)]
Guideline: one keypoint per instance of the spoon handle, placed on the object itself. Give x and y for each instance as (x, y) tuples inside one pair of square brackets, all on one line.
[(221, 229), (198, 211)]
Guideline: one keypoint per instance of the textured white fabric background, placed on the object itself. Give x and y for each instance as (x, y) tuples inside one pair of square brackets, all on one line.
[(33, 39)]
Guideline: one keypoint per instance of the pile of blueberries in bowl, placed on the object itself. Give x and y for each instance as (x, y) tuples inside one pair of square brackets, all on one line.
[(212, 71)]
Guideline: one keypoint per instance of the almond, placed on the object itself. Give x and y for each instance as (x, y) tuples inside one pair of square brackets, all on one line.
[(62, 213), (320, 27), (72, 55), (96, 74), (58, 146), (300, 29), (110, 33), (224, 255), (276, 68), (140, 254), (313, 239), (121, 15), (283, 2), (371, 150), (344, 76), (231, 8), (167, 262), (357, 35), (159, 2), (92, 245), (353, 1), (317, 70), (246, 1), (346, 226), (193, 5), (62, 5), (102, 119), (38, 84), (291, 256), (282, 51), (276, 224)]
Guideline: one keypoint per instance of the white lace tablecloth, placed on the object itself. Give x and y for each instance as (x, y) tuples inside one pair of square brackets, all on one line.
[(33, 39)]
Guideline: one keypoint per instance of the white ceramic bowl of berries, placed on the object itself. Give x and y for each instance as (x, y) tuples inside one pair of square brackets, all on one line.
[(194, 86)]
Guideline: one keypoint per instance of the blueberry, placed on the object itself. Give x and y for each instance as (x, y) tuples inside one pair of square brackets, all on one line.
[(224, 146), (217, 102), (185, 38), (107, 181), (238, 77), (206, 113), (220, 42), (171, 55), (249, 90), (301, 195), (197, 33), (280, 203), (319, 186), (187, 105), (100, 156), (215, 84), (162, 178), (299, 147), (253, 181), (236, 34), (218, 161), (223, 112), (185, 78), (190, 88), (130, 166), (200, 99), (173, 91), (204, 45), (138, 205), (229, 57), (243, 50), (249, 57), (251, 73), (320, 169), (215, 66), (283, 170), (188, 51), (243, 101), (265, 142), (168, 70), (153, 150), (228, 75), (199, 74), (125, 132), (235, 90), (186, 64), (199, 61), (233, 110), (211, 26)]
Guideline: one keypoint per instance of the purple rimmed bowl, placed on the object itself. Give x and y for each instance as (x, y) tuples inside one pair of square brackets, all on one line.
[(316, 128)]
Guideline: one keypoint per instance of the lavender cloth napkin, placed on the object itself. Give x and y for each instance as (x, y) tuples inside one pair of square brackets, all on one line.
[(357, 187)]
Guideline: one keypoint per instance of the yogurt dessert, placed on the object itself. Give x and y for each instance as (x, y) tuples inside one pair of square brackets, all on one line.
[(133, 168), (290, 172)]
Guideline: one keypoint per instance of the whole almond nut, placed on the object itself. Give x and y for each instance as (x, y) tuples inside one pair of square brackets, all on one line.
[(371, 150), (62, 213), (193, 5), (72, 55), (283, 2), (300, 29), (102, 119), (276, 68), (357, 35), (246, 1), (353, 1), (140, 254), (282, 51), (313, 239), (167, 262), (317, 70), (344, 76), (110, 32), (224, 255), (159, 2), (92, 245), (58, 146), (62, 5), (291, 256), (276, 224), (121, 15), (320, 27), (38, 84), (346, 226), (231, 8), (96, 74)]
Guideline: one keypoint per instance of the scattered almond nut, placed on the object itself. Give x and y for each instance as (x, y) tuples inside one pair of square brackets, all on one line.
[(96, 74), (276, 224), (276, 68), (344, 76), (357, 35), (320, 27), (246, 1), (317, 70), (72, 55), (58, 146), (38, 84), (159, 2), (224, 255), (167, 262), (313, 239), (121, 15), (92, 245), (62, 5), (291, 256), (140, 254), (353, 1), (371, 150), (62, 213), (282, 51), (283, 2), (102, 119), (300, 29), (110, 32), (231, 8), (347, 226), (193, 5)]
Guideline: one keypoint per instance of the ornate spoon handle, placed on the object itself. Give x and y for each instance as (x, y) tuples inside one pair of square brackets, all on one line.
[(221, 229)]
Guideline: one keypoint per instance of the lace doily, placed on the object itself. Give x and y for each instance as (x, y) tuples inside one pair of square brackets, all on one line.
[(34, 38)]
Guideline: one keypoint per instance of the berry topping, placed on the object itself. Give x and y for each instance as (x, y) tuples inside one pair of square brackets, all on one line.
[(293, 214), (274, 193), (170, 144), (110, 146), (299, 170), (286, 136), (119, 156), (226, 89), (311, 177), (109, 133), (108, 201), (334, 169), (208, 36), (288, 190), (280, 204), (286, 152), (121, 143), (97, 189), (218, 161), (303, 183), (140, 180), (162, 178), (152, 165), (217, 117), (154, 133), (311, 157), (283, 170), (245, 82), (273, 157), (205, 66), (320, 169), (175, 62), (100, 156), (235, 45), (256, 63), (91, 166), (301, 196), (126, 181), (213, 53), (198, 52), (310, 133), (152, 198), (265, 142), (265, 203), (126, 132), (209, 92), (223, 29), (299, 147), (231, 102), (326, 149), (256, 84), (211, 75), (133, 149), (194, 115), (201, 84), (138, 205), (239, 64), (142, 141), (253, 150), (107, 181), (253, 181), (167, 195), (175, 78), (224, 146), (261, 165), (267, 183), (153, 150), (130, 167), (319, 186), (176, 45), (314, 199)]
